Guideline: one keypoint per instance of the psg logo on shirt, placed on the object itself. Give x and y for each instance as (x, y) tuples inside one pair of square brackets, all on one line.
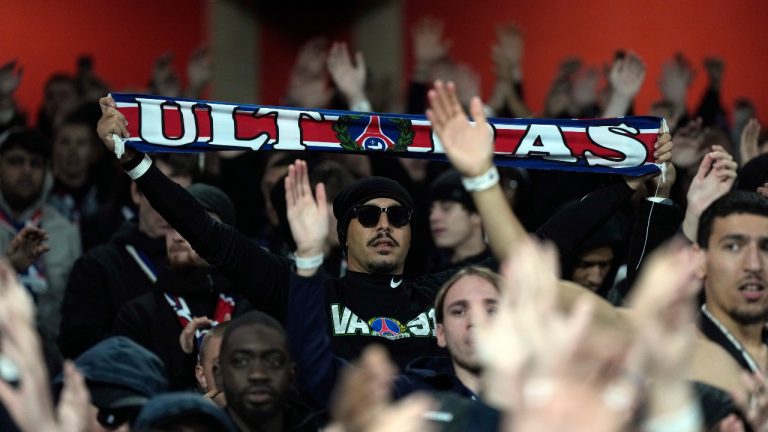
[(373, 133), (387, 327)]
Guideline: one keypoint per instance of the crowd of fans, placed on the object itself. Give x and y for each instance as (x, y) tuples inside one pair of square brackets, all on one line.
[(255, 291)]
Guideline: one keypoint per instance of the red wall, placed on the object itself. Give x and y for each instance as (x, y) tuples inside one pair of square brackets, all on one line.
[(593, 29), (124, 39)]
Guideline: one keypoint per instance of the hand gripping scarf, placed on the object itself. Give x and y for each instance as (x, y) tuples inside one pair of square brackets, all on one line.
[(623, 145)]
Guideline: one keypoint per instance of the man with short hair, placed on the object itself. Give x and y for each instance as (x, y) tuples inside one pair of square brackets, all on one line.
[(24, 187), (456, 227), (732, 239), (255, 372), (110, 275)]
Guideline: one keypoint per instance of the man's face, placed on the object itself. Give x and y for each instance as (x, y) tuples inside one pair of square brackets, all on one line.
[(150, 221), (451, 224), (73, 153), (256, 373), (380, 249), (736, 267), (469, 301), (21, 177), (592, 267), (180, 253), (60, 98)]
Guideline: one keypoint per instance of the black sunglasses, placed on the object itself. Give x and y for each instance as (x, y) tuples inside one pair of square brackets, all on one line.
[(368, 215)]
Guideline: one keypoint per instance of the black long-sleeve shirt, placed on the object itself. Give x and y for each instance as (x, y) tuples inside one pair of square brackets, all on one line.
[(390, 310)]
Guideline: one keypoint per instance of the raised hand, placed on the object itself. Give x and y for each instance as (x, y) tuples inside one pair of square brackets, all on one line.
[(507, 53), (763, 190), (468, 146), (74, 404), (199, 71), (187, 336), (10, 77), (429, 46), (165, 80), (348, 77), (715, 177), (29, 403), (662, 155), (749, 141), (26, 247), (676, 78), (626, 77), (689, 140), (112, 122), (307, 215)]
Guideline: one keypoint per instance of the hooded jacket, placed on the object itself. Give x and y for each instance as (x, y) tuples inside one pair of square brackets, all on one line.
[(54, 266)]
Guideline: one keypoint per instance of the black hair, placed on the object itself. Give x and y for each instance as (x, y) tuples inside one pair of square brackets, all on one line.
[(734, 202), (251, 318), (27, 140)]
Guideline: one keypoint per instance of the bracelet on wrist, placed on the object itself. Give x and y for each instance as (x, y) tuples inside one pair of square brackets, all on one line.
[(140, 168), (308, 263), (482, 182)]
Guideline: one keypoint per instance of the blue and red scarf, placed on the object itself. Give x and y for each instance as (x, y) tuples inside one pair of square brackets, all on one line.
[(623, 145)]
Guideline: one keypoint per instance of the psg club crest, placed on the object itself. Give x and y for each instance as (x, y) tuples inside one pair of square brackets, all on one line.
[(387, 327), (373, 133)]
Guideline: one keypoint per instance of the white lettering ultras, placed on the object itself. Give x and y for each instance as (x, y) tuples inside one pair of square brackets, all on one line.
[(546, 141), (152, 127), (347, 323), (224, 131), (619, 139)]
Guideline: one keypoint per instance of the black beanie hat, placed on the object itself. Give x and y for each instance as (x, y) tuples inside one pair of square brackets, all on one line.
[(448, 187), (362, 191), (214, 200)]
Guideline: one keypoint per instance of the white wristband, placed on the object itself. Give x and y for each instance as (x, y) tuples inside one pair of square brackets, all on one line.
[(362, 106), (140, 169), (482, 182), (309, 263)]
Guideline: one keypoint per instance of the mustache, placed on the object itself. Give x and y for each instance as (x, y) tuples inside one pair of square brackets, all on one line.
[(260, 388), (382, 236)]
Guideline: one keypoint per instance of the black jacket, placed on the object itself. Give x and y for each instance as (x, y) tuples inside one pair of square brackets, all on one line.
[(101, 281), (151, 322)]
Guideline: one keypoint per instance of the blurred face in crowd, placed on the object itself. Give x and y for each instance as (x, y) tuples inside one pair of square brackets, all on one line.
[(736, 268), (21, 177), (73, 153), (180, 253), (60, 98), (256, 373), (592, 267), (150, 221), (452, 225), (469, 301), (380, 249)]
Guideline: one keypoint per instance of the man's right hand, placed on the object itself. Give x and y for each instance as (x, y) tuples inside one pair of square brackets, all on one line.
[(307, 215), (111, 122)]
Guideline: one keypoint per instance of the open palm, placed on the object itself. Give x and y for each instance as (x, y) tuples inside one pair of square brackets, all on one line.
[(468, 146)]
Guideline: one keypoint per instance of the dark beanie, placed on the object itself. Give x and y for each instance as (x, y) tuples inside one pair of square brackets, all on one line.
[(214, 200), (362, 191), (448, 187), (753, 174)]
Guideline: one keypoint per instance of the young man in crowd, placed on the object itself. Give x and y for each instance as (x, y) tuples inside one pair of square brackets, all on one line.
[(255, 372), (24, 184), (456, 227), (110, 275), (733, 241)]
